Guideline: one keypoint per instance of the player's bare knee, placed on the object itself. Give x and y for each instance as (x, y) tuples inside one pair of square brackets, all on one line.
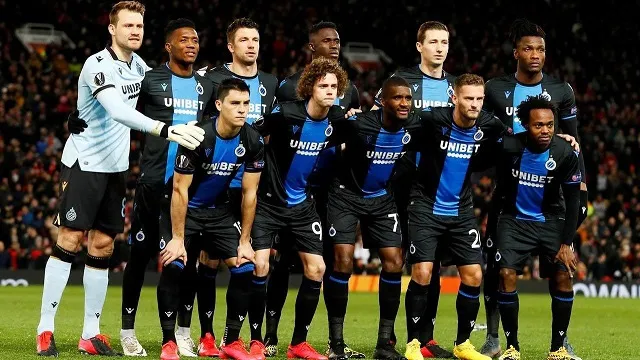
[(70, 239), (204, 257), (563, 281), (100, 243), (262, 263), (471, 275), (507, 280), (392, 265), (421, 273), (314, 270), (343, 262)]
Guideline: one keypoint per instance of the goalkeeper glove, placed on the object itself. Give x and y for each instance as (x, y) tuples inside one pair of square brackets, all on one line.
[(187, 135), (75, 124)]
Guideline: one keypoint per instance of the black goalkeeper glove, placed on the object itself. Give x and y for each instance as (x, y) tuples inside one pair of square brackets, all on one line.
[(75, 124)]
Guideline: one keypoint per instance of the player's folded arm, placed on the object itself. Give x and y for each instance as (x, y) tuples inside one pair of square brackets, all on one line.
[(571, 193)]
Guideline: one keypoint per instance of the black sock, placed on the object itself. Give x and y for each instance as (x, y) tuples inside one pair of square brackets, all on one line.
[(132, 281), (238, 297), (429, 319), (188, 285), (415, 302), (467, 305), (277, 290), (389, 299), (336, 297), (509, 308), (306, 305), (206, 298), (561, 305), (490, 290), (168, 294), (257, 305)]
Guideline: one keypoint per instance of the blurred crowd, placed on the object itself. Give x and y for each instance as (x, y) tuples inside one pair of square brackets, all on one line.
[(39, 89)]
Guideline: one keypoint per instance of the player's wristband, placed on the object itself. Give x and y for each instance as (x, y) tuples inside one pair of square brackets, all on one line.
[(160, 130)]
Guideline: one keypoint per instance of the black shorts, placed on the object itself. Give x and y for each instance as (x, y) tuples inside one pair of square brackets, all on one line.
[(91, 200), (519, 239), (301, 220), (433, 236), (378, 219), (145, 220), (213, 230)]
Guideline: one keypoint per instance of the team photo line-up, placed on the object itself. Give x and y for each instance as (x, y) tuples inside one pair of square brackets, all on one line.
[(238, 166)]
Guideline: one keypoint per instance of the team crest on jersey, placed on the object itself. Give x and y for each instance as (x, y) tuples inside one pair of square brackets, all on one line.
[(550, 164), (262, 90), (545, 95), (478, 135), (450, 90), (99, 79), (328, 131), (406, 138), (199, 88), (140, 69), (240, 150)]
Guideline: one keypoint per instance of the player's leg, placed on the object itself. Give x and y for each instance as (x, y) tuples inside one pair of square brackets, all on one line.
[(79, 193), (267, 223), (464, 244), (188, 284), (342, 220), (108, 223), (143, 241), (516, 241), (168, 293), (425, 229), (206, 290), (305, 226), (491, 346), (277, 290), (222, 243), (430, 348)]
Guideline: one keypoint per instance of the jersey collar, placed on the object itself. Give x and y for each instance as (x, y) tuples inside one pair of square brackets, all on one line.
[(115, 57)]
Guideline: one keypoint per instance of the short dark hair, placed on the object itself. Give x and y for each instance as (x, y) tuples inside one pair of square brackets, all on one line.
[(321, 25), (229, 84), (240, 23), (533, 103), (391, 82), (176, 24), (430, 25), (523, 27)]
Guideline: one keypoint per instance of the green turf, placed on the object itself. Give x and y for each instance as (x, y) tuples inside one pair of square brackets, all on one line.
[(600, 328)]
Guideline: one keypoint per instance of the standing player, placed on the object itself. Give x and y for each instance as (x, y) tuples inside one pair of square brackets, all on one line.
[(94, 168), (374, 142), (441, 211), (431, 87), (324, 42), (243, 42), (174, 94), (298, 131), (201, 216), (504, 94), (538, 183)]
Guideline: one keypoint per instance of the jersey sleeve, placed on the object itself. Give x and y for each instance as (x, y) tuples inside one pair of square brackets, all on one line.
[(187, 161), (355, 98), (571, 173), (286, 91), (254, 163), (97, 75), (568, 114), (489, 100), (267, 123)]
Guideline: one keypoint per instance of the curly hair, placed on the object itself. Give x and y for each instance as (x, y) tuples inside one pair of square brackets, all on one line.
[(315, 71), (532, 103)]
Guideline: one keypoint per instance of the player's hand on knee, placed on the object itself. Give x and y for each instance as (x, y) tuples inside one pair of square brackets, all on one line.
[(567, 258), (187, 135), (174, 250), (245, 251), (571, 140), (75, 124)]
